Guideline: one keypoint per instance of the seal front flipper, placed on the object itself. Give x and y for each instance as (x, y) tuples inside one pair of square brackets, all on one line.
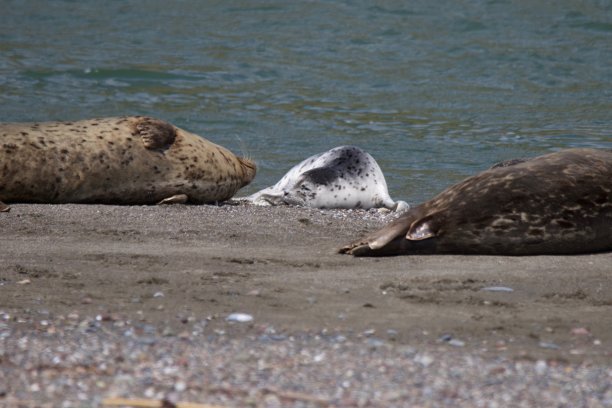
[(175, 199), (155, 134), (370, 244), (4, 207)]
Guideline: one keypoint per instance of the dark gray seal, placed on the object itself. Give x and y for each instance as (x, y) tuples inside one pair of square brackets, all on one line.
[(126, 160), (559, 203)]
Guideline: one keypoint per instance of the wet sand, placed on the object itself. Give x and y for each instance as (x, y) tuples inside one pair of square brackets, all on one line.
[(179, 271)]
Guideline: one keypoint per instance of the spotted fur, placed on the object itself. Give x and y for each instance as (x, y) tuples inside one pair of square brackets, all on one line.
[(560, 203), (127, 160), (343, 177)]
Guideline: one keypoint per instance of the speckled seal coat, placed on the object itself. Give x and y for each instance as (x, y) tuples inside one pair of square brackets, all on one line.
[(342, 177), (560, 203), (125, 160)]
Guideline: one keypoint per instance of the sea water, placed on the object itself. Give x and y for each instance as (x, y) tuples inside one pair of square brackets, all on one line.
[(435, 90)]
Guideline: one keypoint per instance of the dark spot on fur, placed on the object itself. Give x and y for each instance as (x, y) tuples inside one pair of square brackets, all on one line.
[(565, 224)]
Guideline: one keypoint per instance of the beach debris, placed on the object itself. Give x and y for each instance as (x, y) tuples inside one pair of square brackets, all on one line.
[(158, 294), (369, 332), (424, 359), (549, 345), (456, 343), (448, 338), (392, 334), (24, 282), (149, 403), (541, 367), (497, 289), (581, 331), (239, 318), (375, 342)]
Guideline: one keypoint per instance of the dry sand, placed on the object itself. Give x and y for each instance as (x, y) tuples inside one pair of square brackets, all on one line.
[(137, 288)]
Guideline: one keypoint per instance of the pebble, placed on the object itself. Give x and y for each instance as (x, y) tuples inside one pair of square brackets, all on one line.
[(74, 368), (375, 343), (369, 332), (548, 345), (541, 367), (424, 359), (239, 317), (497, 289), (456, 343), (581, 331), (447, 338)]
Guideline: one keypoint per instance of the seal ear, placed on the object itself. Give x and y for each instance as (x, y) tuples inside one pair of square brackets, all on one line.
[(424, 228)]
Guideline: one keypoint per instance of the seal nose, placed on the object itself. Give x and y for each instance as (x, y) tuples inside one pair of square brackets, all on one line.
[(249, 169)]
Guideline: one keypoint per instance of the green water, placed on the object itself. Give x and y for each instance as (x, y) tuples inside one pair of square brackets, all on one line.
[(434, 90)]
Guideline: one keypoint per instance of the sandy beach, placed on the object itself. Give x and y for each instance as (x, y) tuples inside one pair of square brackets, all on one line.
[(92, 295)]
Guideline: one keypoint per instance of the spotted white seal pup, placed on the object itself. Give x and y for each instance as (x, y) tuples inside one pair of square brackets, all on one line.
[(126, 160), (559, 203), (343, 177)]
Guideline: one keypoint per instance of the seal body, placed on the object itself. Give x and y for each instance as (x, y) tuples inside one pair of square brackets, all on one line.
[(126, 160), (560, 203), (343, 177)]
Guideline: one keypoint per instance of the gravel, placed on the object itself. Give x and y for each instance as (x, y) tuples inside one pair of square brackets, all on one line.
[(75, 361)]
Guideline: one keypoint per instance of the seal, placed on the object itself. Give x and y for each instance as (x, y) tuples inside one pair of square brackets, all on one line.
[(559, 203), (343, 177), (123, 160)]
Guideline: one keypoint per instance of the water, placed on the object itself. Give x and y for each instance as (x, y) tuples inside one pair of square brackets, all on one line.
[(434, 90)]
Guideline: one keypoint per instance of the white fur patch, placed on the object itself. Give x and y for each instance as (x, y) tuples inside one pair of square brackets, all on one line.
[(343, 177)]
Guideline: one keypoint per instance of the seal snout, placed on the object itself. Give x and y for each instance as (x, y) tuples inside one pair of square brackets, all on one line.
[(249, 169)]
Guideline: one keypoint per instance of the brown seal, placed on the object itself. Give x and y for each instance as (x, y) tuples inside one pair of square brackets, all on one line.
[(126, 160), (559, 203)]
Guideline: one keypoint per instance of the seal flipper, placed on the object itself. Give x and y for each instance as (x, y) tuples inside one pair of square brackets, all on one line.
[(377, 240), (175, 199), (155, 134), (412, 233), (4, 207), (425, 227)]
